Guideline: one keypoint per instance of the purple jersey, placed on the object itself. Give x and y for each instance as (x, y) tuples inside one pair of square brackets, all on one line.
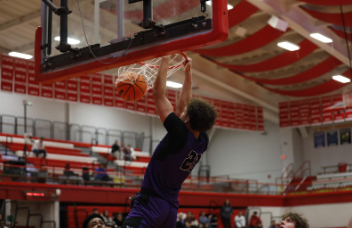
[(173, 159)]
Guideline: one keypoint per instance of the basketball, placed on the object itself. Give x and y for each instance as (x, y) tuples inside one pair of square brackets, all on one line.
[(130, 86)]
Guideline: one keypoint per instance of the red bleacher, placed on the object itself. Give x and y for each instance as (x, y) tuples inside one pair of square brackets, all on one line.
[(51, 150)]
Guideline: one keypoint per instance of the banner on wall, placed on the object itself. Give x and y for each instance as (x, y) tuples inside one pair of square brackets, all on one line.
[(108, 91), (7, 66), (20, 74), (60, 90), (319, 139), (345, 136), (72, 94), (84, 89), (332, 138), (33, 87), (47, 90), (97, 91)]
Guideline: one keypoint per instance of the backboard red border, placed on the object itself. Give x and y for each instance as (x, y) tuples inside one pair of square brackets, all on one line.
[(218, 34)]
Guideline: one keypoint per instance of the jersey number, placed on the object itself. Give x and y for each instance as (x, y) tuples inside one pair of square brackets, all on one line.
[(189, 163)]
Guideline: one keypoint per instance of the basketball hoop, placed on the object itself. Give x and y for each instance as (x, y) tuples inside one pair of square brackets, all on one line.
[(149, 69)]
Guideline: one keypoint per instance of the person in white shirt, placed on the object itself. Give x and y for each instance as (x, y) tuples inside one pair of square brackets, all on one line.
[(240, 220), (39, 148)]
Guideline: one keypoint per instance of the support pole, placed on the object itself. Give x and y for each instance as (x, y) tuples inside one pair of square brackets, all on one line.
[(50, 25), (120, 18), (96, 21), (63, 24), (44, 25), (147, 21), (25, 118)]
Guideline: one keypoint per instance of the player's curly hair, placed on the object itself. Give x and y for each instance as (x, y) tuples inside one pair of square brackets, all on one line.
[(299, 220), (202, 115)]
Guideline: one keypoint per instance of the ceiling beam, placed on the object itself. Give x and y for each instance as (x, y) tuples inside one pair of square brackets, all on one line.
[(229, 88), (20, 20), (25, 48), (4, 50), (303, 24)]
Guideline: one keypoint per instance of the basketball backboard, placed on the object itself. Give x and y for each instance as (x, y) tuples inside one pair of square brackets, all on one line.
[(115, 34)]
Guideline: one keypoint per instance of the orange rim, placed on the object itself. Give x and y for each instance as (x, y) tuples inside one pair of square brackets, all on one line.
[(170, 67)]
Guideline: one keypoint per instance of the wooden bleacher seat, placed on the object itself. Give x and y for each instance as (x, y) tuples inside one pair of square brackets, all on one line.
[(67, 158)]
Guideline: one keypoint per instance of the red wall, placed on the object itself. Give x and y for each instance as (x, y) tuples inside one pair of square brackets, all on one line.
[(105, 195)]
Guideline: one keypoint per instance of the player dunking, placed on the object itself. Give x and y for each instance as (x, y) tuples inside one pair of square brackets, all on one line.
[(176, 155)]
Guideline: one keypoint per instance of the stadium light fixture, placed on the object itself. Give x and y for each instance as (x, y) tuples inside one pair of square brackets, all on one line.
[(321, 37), (341, 79), (20, 55), (69, 40), (288, 46), (173, 84), (228, 5)]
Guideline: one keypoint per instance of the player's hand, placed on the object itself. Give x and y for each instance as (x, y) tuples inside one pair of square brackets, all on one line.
[(166, 58), (187, 64)]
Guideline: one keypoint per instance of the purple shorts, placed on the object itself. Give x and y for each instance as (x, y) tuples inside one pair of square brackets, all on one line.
[(151, 212)]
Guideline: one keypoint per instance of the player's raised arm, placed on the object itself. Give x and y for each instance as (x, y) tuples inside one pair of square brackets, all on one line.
[(163, 105), (186, 91)]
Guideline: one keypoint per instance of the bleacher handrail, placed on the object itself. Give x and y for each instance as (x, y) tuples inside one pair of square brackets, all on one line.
[(301, 170), (7, 143), (249, 187), (80, 128), (2, 122), (44, 121)]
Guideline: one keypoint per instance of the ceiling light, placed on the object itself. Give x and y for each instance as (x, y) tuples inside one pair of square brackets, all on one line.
[(341, 79), (173, 84), (20, 55), (69, 40), (228, 5), (321, 38), (288, 46)]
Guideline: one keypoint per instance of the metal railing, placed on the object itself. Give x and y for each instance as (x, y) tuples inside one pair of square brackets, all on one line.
[(119, 179), (71, 132)]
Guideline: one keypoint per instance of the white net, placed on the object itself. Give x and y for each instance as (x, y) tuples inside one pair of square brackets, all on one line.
[(149, 69), (347, 97)]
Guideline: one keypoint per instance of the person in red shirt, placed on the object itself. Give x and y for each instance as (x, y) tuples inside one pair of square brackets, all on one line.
[(255, 220)]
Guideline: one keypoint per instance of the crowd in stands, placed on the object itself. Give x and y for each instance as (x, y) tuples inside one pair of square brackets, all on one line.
[(37, 147), (189, 220)]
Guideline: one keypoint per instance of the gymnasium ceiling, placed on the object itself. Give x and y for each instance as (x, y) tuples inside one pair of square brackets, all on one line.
[(250, 68)]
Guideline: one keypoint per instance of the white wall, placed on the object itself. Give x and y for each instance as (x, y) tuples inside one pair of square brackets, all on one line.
[(49, 211), (82, 114), (246, 155), (297, 148), (324, 156), (11, 104)]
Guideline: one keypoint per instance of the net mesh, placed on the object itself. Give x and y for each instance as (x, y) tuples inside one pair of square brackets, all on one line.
[(149, 69), (347, 97)]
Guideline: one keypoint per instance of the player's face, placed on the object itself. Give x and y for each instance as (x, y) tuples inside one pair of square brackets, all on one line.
[(96, 223), (287, 223)]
